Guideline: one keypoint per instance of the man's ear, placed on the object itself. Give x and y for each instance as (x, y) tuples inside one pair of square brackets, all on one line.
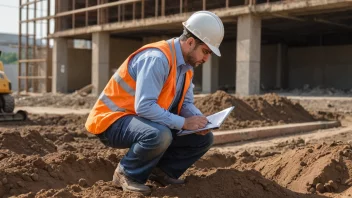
[(190, 41)]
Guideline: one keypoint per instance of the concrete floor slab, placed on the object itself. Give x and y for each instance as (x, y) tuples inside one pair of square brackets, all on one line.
[(265, 132)]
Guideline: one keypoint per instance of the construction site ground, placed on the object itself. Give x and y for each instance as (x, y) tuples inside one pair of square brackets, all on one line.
[(52, 155)]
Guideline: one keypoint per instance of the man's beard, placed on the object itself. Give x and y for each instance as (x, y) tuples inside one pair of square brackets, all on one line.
[(191, 60)]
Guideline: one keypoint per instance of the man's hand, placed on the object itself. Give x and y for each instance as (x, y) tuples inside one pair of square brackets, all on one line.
[(195, 122), (203, 132)]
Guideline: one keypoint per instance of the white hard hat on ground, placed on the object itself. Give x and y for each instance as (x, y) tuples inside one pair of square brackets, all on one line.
[(208, 28)]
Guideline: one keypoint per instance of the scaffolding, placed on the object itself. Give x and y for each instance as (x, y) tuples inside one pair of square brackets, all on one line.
[(33, 46), (39, 20)]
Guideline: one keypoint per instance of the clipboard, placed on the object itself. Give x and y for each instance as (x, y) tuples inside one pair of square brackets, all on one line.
[(215, 121)]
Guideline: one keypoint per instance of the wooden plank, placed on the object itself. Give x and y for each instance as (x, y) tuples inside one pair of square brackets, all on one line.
[(99, 14), (31, 77), (73, 15), (119, 13), (34, 53), (186, 5), (27, 51), (100, 6), (31, 2), (86, 14), (19, 47), (181, 6), (37, 19), (156, 7), (142, 8), (85, 90), (123, 12), (34, 31), (134, 11), (32, 60), (58, 20), (46, 82)]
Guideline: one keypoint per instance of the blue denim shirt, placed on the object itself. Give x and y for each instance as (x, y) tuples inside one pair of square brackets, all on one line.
[(150, 69)]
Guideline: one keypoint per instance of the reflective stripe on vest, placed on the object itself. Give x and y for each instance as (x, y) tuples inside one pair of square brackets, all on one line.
[(172, 52), (118, 97), (123, 84), (109, 103)]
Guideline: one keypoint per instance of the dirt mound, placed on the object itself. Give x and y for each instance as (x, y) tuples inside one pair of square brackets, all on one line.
[(98, 189), (73, 100), (61, 120), (216, 159), (199, 183), (227, 183), (314, 168), (254, 111), (70, 164), (29, 143), (53, 156), (59, 124), (21, 174)]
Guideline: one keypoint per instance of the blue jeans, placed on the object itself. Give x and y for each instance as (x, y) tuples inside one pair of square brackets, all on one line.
[(152, 144)]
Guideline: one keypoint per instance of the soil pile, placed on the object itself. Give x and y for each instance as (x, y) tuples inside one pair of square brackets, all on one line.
[(320, 168), (31, 161), (62, 161), (254, 111), (73, 100), (88, 173)]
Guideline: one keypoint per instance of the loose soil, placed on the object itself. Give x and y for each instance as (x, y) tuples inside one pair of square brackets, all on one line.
[(54, 156), (254, 111), (60, 161), (74, 100)]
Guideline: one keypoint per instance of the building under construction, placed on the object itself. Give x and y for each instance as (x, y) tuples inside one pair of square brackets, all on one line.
[(267, 45)]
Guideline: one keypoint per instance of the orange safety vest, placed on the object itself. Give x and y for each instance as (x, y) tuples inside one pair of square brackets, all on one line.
[(118, 97)]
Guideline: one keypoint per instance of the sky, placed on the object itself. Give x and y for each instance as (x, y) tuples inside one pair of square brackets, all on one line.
[(9, 16)]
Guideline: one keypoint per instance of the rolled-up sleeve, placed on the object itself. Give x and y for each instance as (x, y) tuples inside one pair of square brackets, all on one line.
[(152, 72)]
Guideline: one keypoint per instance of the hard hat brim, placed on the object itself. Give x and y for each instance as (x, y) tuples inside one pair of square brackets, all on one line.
[(214, 49)]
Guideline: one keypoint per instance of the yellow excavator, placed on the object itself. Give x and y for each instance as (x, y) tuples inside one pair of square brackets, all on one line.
[(7, 102)]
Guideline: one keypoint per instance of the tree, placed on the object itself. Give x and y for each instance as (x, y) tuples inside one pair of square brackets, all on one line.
[(9, 58)]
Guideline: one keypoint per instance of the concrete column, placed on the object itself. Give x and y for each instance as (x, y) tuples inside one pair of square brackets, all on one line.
[(60, 61), (248, 55), (281, 66), (210, 74), (100, 61)]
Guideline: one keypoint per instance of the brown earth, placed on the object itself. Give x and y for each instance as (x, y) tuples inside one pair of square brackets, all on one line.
[(54, 156), (73, 100), (254, 111), (58, 161)]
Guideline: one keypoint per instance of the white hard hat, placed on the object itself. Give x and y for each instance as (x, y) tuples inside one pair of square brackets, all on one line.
[(208, 28)]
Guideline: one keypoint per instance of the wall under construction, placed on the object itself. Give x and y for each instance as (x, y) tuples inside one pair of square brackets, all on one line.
[(267, 44)]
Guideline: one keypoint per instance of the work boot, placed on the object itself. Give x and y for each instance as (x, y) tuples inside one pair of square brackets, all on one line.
[(127, 184), (162, 178)]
